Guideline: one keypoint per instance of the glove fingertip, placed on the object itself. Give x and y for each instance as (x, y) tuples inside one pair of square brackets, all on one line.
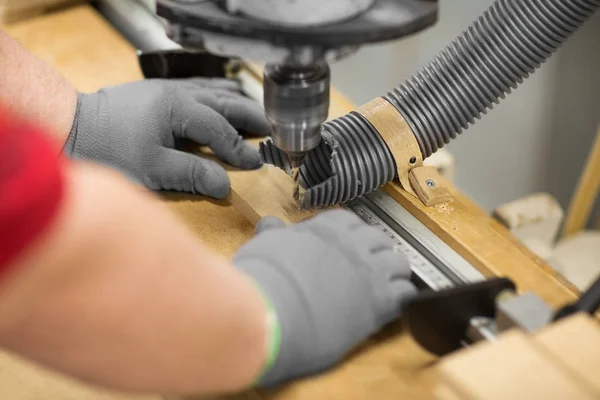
[(215, 184), (220, 193), (249, 158)]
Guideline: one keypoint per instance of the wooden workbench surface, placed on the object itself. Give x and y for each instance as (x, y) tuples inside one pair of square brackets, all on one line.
[(85, 49)]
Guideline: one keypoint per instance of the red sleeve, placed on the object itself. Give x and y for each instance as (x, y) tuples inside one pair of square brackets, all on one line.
[(31, 186)]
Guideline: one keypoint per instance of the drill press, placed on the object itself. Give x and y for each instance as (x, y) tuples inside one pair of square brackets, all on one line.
[(296, 40)]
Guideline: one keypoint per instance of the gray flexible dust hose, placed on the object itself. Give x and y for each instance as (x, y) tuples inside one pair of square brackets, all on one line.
[(495, 54), (504, 46)]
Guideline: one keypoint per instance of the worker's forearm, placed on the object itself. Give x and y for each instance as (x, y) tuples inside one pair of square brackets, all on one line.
[(33, 89), (120, 294)]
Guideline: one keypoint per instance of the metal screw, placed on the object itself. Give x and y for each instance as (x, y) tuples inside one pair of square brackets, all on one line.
[(430, 183)]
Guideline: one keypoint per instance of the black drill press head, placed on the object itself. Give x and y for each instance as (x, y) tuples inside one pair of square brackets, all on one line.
[(296, 46)]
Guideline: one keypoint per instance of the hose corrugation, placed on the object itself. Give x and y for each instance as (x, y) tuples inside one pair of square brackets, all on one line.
[(351, 160), (270, 154), (495, 54)]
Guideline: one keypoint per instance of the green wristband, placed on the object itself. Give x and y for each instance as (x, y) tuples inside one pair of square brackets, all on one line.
[(274, 342)]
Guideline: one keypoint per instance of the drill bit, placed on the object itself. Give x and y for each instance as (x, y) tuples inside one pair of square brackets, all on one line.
[(296, 192)]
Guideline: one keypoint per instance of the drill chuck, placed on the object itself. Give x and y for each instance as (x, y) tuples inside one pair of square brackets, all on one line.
[(296, 100)]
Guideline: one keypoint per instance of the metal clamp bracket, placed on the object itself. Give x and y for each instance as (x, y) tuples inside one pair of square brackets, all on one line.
[(422, 182)]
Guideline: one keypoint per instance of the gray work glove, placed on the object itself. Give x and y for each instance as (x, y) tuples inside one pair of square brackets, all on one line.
[(333, 281), (137, 127)]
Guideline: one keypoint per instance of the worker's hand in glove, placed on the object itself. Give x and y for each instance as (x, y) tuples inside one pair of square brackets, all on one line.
[(136, 128), (332, 282)]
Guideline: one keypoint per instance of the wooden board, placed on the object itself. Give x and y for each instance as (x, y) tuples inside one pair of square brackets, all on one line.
[(575, 344), (559, 362), (87, 51), (512, 368)]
